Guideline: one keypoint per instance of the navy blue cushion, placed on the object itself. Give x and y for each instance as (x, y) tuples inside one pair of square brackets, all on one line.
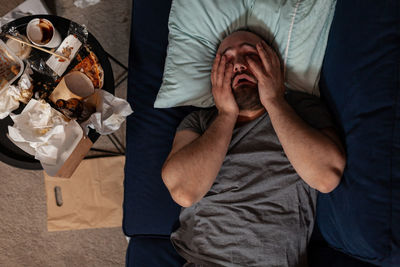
[(320, 254), (148, 207), (152, 251), (360, 81)]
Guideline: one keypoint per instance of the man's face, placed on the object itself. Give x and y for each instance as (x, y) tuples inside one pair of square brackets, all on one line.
[(236, 47)]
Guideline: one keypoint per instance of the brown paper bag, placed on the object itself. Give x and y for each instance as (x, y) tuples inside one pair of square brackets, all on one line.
[(92, 197)]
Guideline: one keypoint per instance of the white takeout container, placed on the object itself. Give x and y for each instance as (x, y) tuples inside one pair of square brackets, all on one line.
[(21, 50), (7, 59)]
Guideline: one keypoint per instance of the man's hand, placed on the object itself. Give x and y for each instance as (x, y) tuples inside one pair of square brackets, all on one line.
[(221, 76), (316, 155), (269, 75)]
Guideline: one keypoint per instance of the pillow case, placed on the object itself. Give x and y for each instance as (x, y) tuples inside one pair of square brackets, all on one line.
[(298, 29)]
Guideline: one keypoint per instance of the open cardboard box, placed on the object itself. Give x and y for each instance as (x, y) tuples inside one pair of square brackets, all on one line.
[(61, 156), (77, 144), (70, 152), (71, 158)]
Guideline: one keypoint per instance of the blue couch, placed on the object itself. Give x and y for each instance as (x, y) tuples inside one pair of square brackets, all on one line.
[(360, 81)]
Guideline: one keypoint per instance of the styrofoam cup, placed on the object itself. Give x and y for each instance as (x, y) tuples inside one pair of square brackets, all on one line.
[(42, 32)]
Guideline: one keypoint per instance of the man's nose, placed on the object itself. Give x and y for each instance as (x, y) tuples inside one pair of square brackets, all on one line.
[(239, 65)]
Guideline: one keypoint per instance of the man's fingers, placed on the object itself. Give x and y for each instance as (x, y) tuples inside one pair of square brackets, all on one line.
[(255, 68), (272, 55), (228, 75), (268, 51), (265, 46), (215, 68), (220, 72), (264, 56)]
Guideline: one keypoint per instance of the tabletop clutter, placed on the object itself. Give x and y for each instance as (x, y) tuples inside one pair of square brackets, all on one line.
[(58, 82)]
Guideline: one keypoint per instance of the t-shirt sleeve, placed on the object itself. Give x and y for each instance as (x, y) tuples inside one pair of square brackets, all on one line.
[(198, 121), (191, 122), (311, 109)]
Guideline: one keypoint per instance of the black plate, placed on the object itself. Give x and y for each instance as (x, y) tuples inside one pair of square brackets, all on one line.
[(11, 154)]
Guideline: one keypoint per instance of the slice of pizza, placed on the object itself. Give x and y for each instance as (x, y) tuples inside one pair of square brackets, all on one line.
[(91, 67)]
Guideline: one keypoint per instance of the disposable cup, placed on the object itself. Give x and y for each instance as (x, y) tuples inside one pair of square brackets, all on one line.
[(42, 32), (73, 85)]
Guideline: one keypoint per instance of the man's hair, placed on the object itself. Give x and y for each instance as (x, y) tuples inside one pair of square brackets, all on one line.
[(253, 32), (248, 30)]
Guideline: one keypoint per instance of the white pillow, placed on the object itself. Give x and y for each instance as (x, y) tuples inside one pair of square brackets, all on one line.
[(298, 29)]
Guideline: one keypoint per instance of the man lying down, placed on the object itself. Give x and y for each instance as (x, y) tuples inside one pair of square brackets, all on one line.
[(247, 170)]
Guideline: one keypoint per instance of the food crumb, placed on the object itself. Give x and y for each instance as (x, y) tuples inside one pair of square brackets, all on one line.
[(15, 69), (67, 51)]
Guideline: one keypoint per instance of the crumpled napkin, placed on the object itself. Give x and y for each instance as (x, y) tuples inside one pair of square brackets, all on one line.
[(85, 3), (8, 100), (39, 130), (12, 95), (110, 113), (25, 86)]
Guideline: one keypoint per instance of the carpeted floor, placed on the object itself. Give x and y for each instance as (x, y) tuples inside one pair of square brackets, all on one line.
[(24, 240)]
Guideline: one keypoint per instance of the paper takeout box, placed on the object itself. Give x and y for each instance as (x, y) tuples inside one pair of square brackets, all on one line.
[(71, 158), (11, 67), (80, 144), (60, 145)]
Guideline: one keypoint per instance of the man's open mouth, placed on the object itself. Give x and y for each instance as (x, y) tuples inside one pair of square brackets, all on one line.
[(243, 79)]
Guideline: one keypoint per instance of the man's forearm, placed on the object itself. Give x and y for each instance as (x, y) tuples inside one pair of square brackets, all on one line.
[(315, 156), (190, 172)]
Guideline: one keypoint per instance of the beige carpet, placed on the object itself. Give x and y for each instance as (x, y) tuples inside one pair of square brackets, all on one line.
[(7, 5), (24, 240)]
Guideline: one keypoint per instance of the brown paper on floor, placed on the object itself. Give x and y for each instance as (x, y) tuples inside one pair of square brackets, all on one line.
[(92, 197)]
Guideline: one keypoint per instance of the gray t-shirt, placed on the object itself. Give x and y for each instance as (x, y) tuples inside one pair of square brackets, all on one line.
[(258, 212)]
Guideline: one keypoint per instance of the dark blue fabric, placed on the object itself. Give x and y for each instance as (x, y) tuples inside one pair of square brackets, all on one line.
[(148, 207), (152, 251), (360, 81), (320, 254)]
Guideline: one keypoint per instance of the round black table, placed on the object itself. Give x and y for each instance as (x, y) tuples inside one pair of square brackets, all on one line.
[(13, 155)]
